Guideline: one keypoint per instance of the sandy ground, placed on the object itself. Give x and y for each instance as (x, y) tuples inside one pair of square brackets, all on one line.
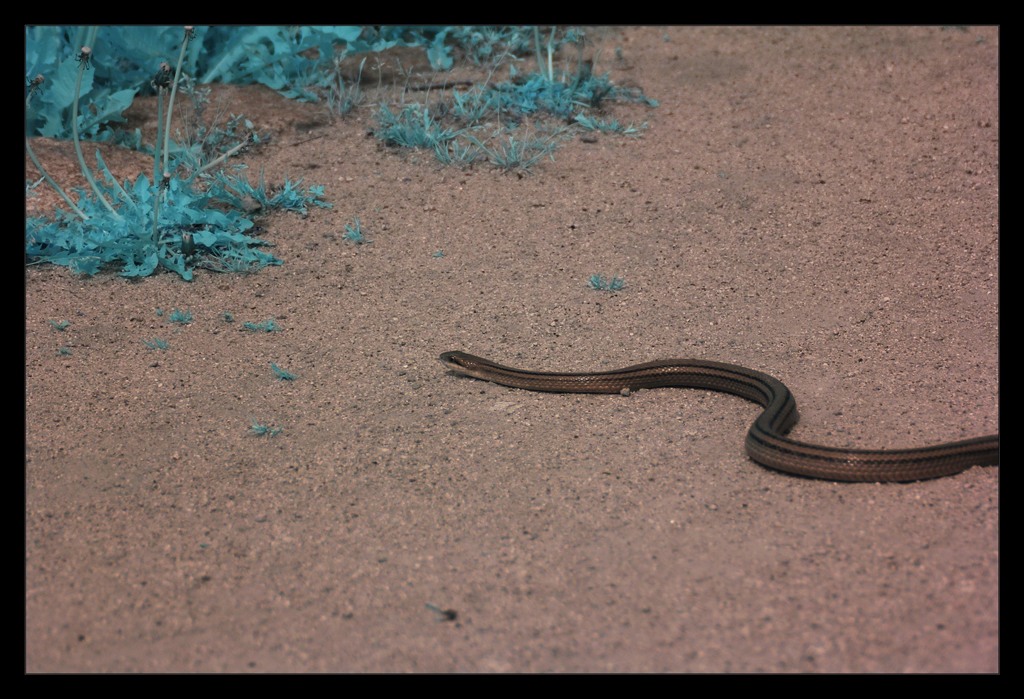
[(819, 204)]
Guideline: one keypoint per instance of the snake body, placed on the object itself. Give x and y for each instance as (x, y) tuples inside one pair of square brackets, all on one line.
[(766, 443)]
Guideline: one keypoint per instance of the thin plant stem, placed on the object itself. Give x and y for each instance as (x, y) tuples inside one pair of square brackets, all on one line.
[(189, 32), (156, 162), (156, 213), (551, 67), (550, 72), (49, 181), (536, 48), (83, 59), (224, 156), (159, 134)]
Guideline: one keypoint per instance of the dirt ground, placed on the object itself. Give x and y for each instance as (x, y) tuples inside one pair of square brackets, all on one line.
[(817, 203)]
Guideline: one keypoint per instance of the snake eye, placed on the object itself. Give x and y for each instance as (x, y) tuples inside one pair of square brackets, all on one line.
[(452, 359)]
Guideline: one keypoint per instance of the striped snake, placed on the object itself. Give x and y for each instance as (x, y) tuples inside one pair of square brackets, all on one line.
[(767, 443)]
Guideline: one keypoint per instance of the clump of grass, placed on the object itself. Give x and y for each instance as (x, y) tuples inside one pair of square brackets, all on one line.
[(264, 430), (156, 344), (590, 123), (180, 317), (59, 325), (237, 191), (228, 317), (281, 374), (64, 351), (354, 233), (600, 283), (474, 105), (238, 262), (511, 153), (412, 127), (266, 326), (458, 153), (342, 98)]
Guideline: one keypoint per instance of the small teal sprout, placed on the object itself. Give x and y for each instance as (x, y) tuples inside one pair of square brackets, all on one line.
[(281, 373), (180, 317), (267, 326), (599, 283), (228, 317), (59, 325), (264, 430), (439, 253), (159, 313), (156, 344), (64, 351), (608, 125), (354, 233)]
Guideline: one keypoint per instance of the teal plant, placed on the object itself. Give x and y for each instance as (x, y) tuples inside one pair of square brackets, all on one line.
[(156, 344), (342, 98), (238, 192), (180, 317), (600, 283), (354, 233), (413, 126), (59, 325), (511, 153), (457, 152), (474, 105), (590, 123), (281, 374), (188, 213), (266, 326), (178, 218), (452, 128), (262, 430)]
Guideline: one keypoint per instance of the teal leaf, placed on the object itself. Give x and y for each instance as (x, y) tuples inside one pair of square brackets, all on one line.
[(142, 269)]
